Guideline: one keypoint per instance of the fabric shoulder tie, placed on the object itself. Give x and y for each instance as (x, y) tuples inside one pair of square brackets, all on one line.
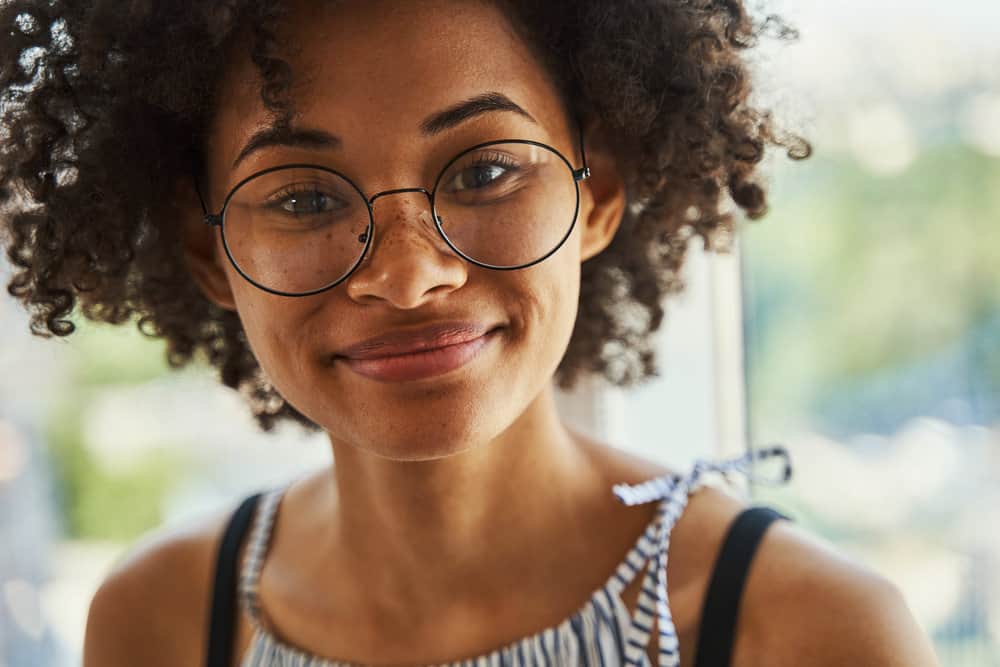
[(672, 492)]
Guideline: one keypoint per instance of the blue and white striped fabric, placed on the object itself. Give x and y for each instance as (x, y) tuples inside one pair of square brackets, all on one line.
[(602, 633)]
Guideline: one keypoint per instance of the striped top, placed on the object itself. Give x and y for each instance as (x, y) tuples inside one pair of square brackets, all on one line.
[(602, 632)]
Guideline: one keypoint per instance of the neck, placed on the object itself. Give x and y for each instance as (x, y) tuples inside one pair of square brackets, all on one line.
[(460, 523)]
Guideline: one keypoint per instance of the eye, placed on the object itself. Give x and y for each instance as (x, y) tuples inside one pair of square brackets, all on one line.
[(478, 176), (308, 202), (485, 171)]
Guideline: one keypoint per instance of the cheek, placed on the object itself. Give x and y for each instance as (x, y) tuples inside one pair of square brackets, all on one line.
[(268, 321), (252, 304), (565, 267), (555, 289), (566, 301)]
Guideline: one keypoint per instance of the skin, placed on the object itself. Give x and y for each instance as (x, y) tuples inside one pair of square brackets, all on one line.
[(454, 500)]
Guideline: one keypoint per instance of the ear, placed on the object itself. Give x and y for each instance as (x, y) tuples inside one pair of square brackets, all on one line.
[(602, 196), (202, 248)]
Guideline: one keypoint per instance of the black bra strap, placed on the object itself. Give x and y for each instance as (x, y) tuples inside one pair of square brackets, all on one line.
[(722, 601), (223, 613)]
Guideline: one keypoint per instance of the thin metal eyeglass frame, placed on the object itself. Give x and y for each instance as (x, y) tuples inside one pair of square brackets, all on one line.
[(218, 219)]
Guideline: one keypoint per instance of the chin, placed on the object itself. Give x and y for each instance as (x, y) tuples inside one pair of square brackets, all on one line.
[(427, 433)]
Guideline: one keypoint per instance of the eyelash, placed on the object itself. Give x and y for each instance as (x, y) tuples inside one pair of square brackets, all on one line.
[(291, 191), (280, 198), (495, 160)]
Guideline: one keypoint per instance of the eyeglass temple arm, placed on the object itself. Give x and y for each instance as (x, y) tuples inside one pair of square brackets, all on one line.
[(208, 218), (583, 172)]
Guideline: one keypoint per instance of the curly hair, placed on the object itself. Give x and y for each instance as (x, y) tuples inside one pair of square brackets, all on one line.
[(104, 107)]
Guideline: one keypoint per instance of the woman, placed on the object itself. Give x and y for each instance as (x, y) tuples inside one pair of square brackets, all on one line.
[(397, 222)]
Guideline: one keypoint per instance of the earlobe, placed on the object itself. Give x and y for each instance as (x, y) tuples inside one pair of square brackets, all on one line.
[(602, 198), (201, 251)]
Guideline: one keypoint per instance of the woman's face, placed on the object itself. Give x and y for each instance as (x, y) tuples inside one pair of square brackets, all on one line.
[(368, 75)]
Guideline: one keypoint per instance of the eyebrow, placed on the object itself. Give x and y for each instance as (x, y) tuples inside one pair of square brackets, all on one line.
[(436, 123), (285, 136), (470, 108)]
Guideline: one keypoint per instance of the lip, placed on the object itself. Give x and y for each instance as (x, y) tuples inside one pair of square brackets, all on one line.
[(415, 354)]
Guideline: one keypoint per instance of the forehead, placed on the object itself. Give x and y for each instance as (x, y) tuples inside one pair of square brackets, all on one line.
[(379, 68)]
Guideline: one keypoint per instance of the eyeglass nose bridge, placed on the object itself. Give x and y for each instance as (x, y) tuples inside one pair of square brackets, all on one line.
[(384, 193)]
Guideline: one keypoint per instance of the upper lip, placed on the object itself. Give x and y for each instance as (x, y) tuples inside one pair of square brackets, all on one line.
[(406, 341)]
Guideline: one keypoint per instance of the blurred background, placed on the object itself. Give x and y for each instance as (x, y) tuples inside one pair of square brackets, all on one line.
[(858, 324)]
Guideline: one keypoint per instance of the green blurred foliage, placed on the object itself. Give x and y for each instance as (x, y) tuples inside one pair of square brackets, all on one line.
[(854, 273), (98, 503), (102, 504), (116, 355)]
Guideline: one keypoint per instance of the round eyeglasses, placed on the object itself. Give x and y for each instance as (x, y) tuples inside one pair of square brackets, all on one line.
[(300, 229)]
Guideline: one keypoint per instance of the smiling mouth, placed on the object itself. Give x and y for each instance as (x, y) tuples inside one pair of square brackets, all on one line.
[(420, 364)]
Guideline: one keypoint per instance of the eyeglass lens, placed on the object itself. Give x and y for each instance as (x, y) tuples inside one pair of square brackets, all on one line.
[(299, 229)]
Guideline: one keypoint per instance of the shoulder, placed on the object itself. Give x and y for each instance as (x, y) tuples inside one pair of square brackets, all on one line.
[(805, 603), (152, 609)]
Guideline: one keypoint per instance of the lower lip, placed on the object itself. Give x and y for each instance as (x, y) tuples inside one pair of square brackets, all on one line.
[(420, 365)]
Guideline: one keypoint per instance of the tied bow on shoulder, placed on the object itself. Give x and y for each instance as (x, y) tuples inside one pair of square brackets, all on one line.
[(672, 491)]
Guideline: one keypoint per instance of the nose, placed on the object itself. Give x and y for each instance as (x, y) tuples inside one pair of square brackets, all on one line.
[(408, 263)]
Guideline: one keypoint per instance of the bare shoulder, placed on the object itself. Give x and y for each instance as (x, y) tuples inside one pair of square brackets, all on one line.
[(152, 608), (806, 604)]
